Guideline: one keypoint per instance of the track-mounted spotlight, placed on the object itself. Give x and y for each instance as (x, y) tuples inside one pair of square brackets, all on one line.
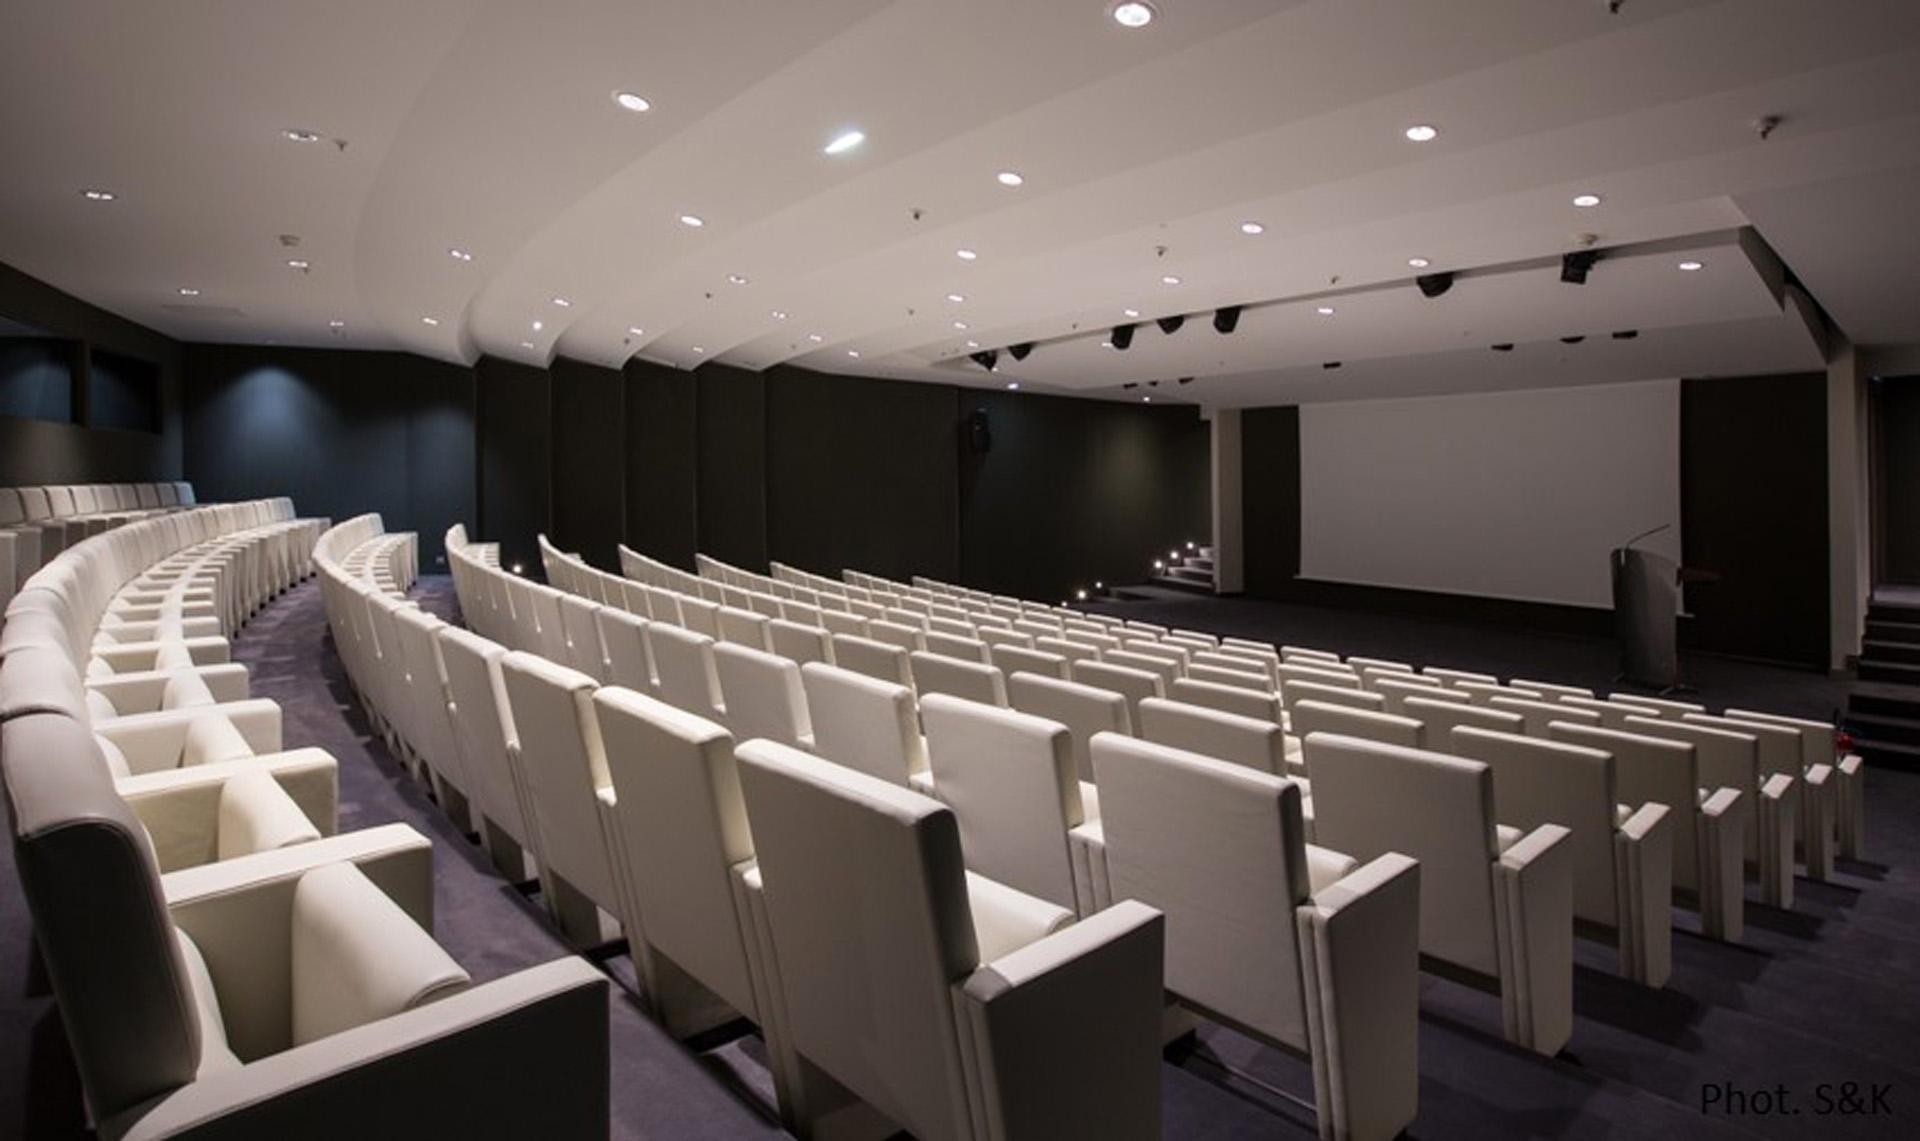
[(1019, 352), (985, 358), (1226, 318), (1434, 284), (1574, 266), (1171, 325), (1122, 337)]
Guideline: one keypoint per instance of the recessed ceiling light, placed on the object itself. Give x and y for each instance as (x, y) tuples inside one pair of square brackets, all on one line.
[(299, 264), (1419, 263), (815, 338), (1325, 310), (635, 331), (526, 344), (1252, 228), (1169, 279), (965, 255), (779, 314), (1146, 400), (973, 344), (538, 325), (736, 279), (698, 349), (1693, 266), (459, 255), (1013, 385), (336, 324), (563, 303), (693, 220), (297, 135), (98, 195), (1131, 312), (1585, 201), (632, 102), (189, 291), (1106, 344), (1010, 178), (1133, 14), (429, 320), (853, 352), (956, 298), (959, 324), (1423, 132), (844, 142)]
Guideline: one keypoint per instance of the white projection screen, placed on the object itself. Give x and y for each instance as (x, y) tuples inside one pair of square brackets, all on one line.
[(1515, 495)]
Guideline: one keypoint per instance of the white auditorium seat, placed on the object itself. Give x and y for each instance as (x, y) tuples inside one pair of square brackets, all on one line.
[(1297, 946), (1248, 679), (490, 751), (882, 660), (1398, 693), (936, 673), (1780, 749), (624, 637), (1135, 685), (798, 642), (579, 619), (1254, 742), (1083, 709), (1493, 902), (763, 695), (1337, 676), (1293, 693), (1731, 759), (1819, 746), (1017, 659), (865, 723), (1552, 691), (1261, 704), (1165, 669), (1452, 677), (1539, 714), (1325, 717), (436, 741), (1613, 713), (977, 1012), (1245, 662), (1482, 692), (683, 662), (1622, 851), (967, 649), (1440, 717)]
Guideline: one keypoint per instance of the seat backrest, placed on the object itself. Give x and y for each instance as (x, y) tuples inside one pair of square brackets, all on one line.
[(580, 619), (684, 831), (1011, 659), (1539, 782), (798, 642), (168, 494), (936, 673), (1453, 676), (1164, 668), (967, 649), (1666, 706), (37, 502), (1228, 887), (839, 622), (1083, 709), (1553, 691), (863, 722), (1010, 779), (483, 725), (1326, 717), (683, 661), (763, 696), (700, 615), (876, 659), (1398, 693), (996, 636), (1612, 714), (898, 1047), (1442, 717), (1817, 746), (742, 627), (1246, 661), (1292, 693), (1336, 676), (418, 634), (1248, 678), (624, 637), (1651, 770), (1385, 665), (1370, 799), (119, 973), (1728, 759), (1539, 714), (1248, 741), (147, 495), (564, 766), (908, 638), (1132, 684), (553, 644), (1780, 746), (1261, 704), (1483, 693)]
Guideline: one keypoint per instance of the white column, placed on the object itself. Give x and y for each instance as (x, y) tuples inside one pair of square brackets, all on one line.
[(1229, 568)]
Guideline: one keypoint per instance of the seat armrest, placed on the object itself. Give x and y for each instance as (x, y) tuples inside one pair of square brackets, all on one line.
[(358, 958), (1533, 905), (1776, 809), (1643, 887), (1326, 867), (1360, 971), (1817, 817), (1082, 1006), (143, 691), (1643, 821), (1722, 846), (1004, 920), (460, 1067), (240, 914), (131, 656), (155, 740), (180, 808), (257, 815)]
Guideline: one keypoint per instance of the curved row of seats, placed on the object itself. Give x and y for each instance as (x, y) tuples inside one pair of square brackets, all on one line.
[(223, 960), (37, 523)]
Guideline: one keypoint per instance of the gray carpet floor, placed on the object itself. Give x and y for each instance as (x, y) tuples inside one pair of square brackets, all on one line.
[(1827, 993)]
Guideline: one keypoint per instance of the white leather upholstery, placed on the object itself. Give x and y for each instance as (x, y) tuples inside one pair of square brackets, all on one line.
[(683, 661), (1731, 759), (763, 696), (1248, 741), (1083, 709), (864, 723), (934, 673)]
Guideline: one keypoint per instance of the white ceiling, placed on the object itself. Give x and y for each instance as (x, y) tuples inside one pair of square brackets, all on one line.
[(489, 126)]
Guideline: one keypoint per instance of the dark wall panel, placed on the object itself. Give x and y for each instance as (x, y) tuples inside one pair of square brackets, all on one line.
[(1270, 498), (1076, 491), (662, 519), (589, 460), (862, 473), (39, 451), (340, 432), (1753, 509), (1898, 454), (514, 404), (731, 462)]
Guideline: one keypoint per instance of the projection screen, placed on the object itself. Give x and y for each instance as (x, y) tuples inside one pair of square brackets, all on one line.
[(1515, 495)]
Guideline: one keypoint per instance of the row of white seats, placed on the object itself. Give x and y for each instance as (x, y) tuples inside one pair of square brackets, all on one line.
[(223, 960), (37, 523), (857, 721)]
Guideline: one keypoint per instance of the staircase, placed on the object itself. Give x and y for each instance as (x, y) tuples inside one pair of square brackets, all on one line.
[(1191, 569), (1883, 707)]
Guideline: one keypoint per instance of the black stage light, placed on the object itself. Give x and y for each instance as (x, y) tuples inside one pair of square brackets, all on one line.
[(1573, 340), (1574, 266), (1226, 318), (1122, 337), (1626, 334), (1019, 352), (1186, 380), (985, 358), (1503, 347), (1331, 364), (1434, 284), (1171, 325)]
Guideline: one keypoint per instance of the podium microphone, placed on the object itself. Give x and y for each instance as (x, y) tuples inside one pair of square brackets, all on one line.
[(1628, 545)]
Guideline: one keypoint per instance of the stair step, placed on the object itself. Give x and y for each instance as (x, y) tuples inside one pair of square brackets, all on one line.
[(1889, 671), (1884, 727), (1885, 611), (1875, 650), (1192, 574), (1881, 698), (1186, 585), (1891, 755), (1882, 630)]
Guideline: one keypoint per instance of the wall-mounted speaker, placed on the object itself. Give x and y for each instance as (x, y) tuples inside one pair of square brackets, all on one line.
[(979, 433)]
